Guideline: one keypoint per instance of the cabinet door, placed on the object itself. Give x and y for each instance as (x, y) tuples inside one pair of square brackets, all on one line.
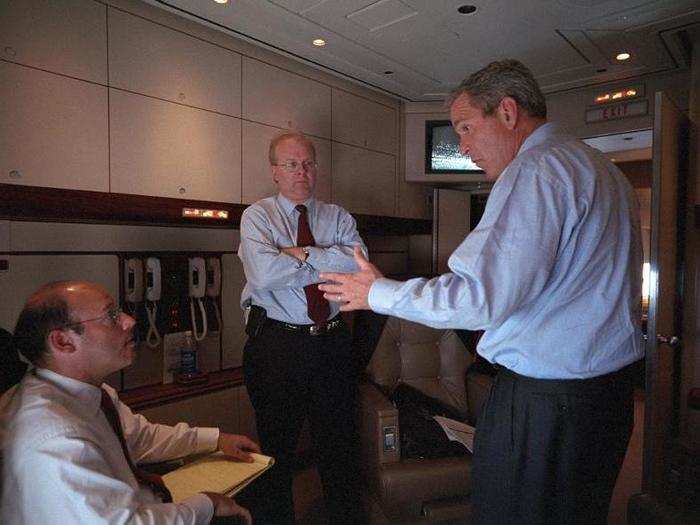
[(147, 58), (362, 122), (168, 150), (53, 130), (413, 200), (364, 181), (257, 177), (68, 37), (279, 98)]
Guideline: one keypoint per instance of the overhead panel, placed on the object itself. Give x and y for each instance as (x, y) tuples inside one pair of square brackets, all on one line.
[(382, 14)]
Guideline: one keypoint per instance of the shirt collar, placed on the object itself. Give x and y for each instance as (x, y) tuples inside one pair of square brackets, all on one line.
[(289, 207), (541, 135), (84, 393)]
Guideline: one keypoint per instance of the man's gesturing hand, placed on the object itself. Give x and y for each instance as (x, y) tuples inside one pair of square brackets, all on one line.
[(351, 289)]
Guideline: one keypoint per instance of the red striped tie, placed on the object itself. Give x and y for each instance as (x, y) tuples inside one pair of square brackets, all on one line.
[(317, 306)]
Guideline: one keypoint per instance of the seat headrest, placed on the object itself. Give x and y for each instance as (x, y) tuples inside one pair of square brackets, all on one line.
[(431, 360), (11, 367)]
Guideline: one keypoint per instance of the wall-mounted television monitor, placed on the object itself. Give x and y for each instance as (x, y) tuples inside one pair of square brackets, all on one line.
[(442, 150)]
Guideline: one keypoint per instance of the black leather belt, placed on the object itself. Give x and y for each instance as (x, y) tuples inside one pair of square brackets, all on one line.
[(311, 329)]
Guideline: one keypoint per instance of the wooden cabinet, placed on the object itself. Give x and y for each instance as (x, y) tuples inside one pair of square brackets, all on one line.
[(364, 123), (53, 130), (413, 200), (67, 37), (364, 181), (279, 98), (168, 150), (257, 177), (151, 59)]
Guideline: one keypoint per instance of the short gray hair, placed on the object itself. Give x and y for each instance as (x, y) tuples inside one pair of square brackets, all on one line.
[(505, 78), (289, 135)]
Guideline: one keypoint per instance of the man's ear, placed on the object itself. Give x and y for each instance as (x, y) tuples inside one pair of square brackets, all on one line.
[(61, 341), (508, 112)]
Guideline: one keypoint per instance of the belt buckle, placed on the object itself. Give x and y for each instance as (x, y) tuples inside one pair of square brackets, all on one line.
[(314, 329)]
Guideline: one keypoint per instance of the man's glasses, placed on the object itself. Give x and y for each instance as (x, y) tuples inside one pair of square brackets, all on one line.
[(112, 314), (292, 166)]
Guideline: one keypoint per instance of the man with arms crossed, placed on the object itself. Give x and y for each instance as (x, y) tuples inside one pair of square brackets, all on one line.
[(297, 360), (71, 448), (552, 273)]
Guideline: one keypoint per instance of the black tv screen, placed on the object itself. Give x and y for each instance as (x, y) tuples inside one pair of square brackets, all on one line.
[(442, 150)]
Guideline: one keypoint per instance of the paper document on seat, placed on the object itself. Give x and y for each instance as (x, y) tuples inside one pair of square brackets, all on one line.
[(457, 431), (215, 473)]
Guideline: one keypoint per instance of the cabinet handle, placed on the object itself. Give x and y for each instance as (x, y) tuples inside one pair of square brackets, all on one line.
[(181, 96), (10, 51), (181, 190), (15, 174)]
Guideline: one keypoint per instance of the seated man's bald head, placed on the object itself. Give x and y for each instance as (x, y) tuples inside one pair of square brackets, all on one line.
[(49, 308)]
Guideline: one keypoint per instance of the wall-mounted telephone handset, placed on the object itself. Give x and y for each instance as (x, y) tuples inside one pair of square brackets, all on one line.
[(214, 286), (213, 277), (133, 281), (153, 292), (197, 281)]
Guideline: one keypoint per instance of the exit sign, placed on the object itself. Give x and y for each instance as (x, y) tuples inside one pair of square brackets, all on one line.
[(633, 108)]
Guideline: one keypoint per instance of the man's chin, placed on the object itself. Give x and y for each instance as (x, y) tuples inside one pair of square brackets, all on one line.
[(130, 351)]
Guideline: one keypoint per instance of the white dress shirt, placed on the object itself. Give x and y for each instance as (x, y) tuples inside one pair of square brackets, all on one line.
[(63, 463), (276, 281), (552, 272)]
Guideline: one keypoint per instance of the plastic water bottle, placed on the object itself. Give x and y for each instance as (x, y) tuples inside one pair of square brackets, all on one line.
[(188, 356)]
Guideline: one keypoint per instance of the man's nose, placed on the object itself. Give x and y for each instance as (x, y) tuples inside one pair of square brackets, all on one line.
[(463, 146), (127, 322)]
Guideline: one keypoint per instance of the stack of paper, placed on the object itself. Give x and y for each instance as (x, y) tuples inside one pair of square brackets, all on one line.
[(215, 473), (457, 431)]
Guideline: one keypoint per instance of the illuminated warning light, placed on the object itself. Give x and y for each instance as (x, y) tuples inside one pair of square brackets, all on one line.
[(616, 96), (202, 213)]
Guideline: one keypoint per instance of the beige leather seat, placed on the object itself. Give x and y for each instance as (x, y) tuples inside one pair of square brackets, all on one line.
[(436, 363)]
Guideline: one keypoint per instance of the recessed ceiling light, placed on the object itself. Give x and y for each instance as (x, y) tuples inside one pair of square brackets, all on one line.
[(466, 9), (623, 56), (319, 42), (220, 1)]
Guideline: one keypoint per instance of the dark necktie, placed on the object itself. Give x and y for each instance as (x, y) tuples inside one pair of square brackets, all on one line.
[(316, 305), (152, 481)]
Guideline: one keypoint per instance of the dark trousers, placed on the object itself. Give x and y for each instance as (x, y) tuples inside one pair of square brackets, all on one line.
[(292, 376), (549, 451)]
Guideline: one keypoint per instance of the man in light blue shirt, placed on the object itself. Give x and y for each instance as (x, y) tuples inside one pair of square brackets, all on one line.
[(298, 361), (552, 274)]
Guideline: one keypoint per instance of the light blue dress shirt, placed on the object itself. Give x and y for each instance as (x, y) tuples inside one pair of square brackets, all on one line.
[(552, 272), (276, 281)]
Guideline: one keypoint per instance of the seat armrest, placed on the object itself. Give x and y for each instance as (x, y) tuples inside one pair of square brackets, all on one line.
[(378, 428)]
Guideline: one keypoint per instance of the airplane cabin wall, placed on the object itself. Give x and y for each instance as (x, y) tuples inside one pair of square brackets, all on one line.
[(137, 100)]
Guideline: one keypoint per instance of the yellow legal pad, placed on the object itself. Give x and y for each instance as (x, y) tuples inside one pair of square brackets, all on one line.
[(214, 473)]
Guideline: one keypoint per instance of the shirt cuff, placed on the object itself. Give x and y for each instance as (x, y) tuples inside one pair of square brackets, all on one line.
[(381, 295), (207, 439), (202, 507)]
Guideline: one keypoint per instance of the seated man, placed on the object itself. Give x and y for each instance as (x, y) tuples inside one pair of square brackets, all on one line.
[(70, 446)]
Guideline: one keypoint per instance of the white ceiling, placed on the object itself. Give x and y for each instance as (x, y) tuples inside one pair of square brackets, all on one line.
[(429, 47)]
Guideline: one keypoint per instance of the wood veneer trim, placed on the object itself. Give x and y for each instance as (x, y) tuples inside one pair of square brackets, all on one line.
[(156, 395), (34, 203)]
